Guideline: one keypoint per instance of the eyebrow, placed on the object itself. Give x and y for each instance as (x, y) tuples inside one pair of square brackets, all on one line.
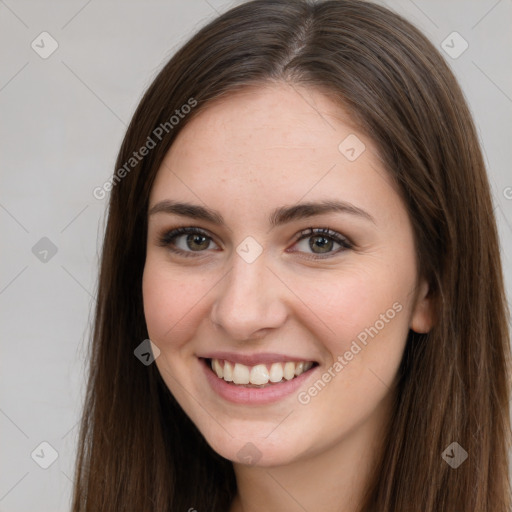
[(279, 216)]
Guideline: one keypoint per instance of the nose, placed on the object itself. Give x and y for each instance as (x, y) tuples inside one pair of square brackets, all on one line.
[(250, 302)]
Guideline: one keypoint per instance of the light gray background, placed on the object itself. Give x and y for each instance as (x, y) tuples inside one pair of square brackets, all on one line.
[(62, 121)]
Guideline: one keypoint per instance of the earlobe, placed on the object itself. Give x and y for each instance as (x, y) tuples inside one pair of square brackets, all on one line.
[(422, 318)]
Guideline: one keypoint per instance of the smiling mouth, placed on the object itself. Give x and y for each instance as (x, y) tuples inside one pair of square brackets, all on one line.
[(260, 375)]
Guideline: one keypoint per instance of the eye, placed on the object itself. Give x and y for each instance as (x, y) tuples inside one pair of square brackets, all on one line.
[(321, 242), (186, 241)]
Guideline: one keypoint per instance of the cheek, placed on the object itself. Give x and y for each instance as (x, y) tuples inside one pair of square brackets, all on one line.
[(364, 313), (356, 299), (170, 303)]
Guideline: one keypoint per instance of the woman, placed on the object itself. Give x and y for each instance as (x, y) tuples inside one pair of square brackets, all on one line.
[(301, 223)]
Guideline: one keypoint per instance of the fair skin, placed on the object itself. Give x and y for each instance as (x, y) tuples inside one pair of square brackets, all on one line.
[(256, 150)]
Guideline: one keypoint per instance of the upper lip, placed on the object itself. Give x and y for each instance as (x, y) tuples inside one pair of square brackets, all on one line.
[(253, 359)]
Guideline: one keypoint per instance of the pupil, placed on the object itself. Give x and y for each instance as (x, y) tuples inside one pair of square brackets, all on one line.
[(194, 239), (324, 243)]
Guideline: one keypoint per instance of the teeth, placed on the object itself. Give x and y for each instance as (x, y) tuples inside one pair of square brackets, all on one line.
[(289, 371), (260, 374), (228, 371), (241, 374), (217, 368), (276, 372)]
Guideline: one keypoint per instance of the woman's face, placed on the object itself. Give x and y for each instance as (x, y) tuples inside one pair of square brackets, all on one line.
[(263, 297)]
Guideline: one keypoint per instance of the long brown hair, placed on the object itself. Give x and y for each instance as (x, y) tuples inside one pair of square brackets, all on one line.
[(138, 451)]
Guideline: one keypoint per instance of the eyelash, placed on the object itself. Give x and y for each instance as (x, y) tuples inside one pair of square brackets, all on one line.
[(167, 240)]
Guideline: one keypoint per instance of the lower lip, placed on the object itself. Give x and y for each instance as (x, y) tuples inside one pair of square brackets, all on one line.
[(255, 396)]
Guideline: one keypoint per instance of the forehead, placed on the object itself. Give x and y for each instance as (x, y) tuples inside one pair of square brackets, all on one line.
[(268, 145), (286, 120)]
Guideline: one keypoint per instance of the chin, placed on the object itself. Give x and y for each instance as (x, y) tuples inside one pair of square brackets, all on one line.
[(241, 446)]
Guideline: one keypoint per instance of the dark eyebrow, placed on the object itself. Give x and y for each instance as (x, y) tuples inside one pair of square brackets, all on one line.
[(279, 216)]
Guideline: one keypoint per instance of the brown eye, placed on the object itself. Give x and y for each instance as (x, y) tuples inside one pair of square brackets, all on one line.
[(185, 241), (322, 241), (197, 242)]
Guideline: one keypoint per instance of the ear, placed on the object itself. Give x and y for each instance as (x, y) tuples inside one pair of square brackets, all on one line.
[(422, 318)]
